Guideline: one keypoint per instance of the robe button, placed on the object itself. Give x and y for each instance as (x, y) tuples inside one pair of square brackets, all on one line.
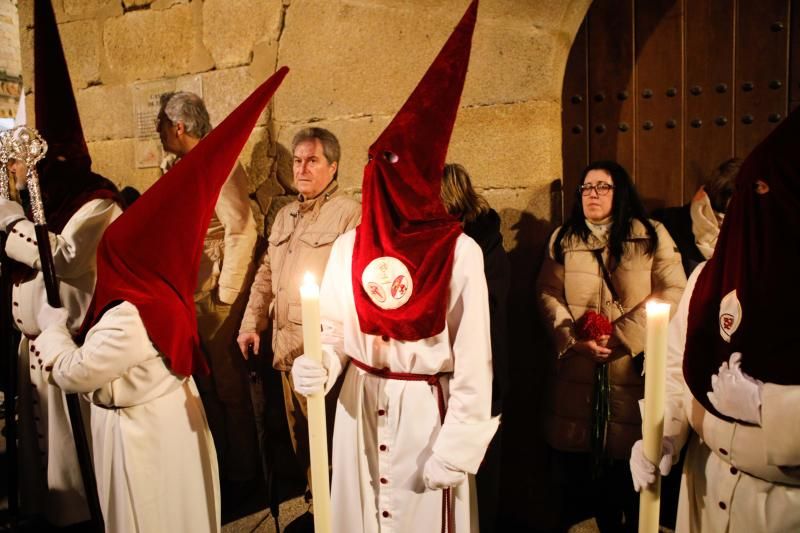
[(381, 412), (384, 481), (19, 321), (33, 347), (28, 239), (385, 514), (723, 451), (16, 304), (382, 447), (722, 506), (33, 367), (734, 471), (385, 338)]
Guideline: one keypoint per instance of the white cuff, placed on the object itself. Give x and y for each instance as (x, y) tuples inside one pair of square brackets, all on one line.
[(463, 444)]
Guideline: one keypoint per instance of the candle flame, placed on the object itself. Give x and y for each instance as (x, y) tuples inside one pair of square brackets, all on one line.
[(309, 279), (655, 307)]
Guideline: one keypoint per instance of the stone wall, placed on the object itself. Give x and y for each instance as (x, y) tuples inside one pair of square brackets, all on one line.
[(10, 62), (354, 62)]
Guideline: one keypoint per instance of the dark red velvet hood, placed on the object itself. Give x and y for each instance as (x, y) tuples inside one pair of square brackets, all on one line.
[(758, 257), (402, 214), (150, 255)]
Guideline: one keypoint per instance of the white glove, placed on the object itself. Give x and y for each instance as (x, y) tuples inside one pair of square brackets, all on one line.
[(310, 376), (10, 211), (643, 471), (439, 475), (734, 393), (51, 316)]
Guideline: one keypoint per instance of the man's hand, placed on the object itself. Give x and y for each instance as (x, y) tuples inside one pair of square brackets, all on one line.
[(10, 211), (247, 338), (308, 375), (643, 471), (734, 393), (437, 474)]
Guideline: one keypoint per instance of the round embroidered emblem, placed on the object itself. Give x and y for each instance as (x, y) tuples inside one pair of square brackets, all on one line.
[(730, 315), (387, 282)]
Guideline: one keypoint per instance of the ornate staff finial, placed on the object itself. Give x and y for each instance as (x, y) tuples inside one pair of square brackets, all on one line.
[(5, 155), (31, 148)]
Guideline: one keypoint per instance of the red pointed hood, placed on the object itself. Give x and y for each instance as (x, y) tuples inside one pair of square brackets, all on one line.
[(743, 297), (403, 218), (57, 116), (150, 255)]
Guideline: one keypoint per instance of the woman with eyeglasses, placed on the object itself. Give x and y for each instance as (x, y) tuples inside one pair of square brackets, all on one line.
[(601, 267)]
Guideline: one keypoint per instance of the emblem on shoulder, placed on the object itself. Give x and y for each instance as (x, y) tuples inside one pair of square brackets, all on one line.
[(730, 315), (387, 282)]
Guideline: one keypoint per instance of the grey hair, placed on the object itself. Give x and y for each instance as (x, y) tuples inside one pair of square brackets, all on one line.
[(330, 144), (188, 108)]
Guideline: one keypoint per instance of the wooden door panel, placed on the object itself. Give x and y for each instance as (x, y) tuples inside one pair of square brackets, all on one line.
[(610, 66), (732, 68), (709, 92), (794, 56), (575, 118), (659, 146), (761, 70)]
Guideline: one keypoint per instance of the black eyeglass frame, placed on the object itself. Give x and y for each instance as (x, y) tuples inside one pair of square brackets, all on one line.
[(601, 189)]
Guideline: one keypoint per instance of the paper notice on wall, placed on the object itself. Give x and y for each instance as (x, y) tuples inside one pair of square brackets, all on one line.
[(146, 103)]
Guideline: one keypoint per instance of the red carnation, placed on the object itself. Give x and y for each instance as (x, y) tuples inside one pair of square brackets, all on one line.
[(592, 326)]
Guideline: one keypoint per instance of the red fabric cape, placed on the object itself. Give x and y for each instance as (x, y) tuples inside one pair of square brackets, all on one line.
[(402, 213), (758, 256), (150, 255)]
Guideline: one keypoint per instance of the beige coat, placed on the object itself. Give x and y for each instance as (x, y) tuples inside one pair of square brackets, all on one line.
[(566, 292), (229, 242), (737, 477), (300, 242)]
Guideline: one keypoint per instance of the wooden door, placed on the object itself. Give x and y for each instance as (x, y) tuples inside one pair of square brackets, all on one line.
[(672, 88)]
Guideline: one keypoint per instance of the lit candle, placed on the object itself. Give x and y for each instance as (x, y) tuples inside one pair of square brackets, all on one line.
[(317, 432), (655, 368)]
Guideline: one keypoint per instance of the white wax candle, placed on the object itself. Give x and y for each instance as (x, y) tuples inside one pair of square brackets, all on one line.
[(317, 432), (655, 367)]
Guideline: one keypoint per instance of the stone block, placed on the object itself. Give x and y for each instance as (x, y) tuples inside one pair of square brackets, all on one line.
[(513, 62), (81, 42), (106, 112), (230, 29), (353, 59), (26, 53), (506, 146), (114, 159), (88, 9), (223, 90), (150, 44), (514, 59), (135, 4)]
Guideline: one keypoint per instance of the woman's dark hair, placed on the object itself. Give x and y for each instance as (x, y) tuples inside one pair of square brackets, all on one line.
[(625, 207), (721, 183)]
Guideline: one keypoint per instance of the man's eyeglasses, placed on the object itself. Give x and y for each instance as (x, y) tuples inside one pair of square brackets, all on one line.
[(601, 188)]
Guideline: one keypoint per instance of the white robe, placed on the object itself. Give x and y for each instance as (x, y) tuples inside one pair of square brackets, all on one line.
[(737, 478), (153, 453), (50, 476), (386, 430)]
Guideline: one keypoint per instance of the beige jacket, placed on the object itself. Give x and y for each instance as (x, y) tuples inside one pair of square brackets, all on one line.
[(300, 242), (566, 292), (229, 242)]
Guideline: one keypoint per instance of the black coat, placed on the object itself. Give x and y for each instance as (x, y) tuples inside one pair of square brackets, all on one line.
[(678, 222), (485, 230)]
